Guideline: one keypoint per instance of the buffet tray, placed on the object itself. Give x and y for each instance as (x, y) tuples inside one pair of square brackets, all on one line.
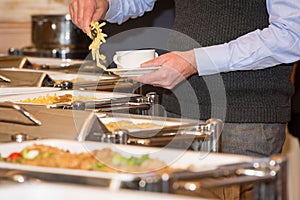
[(93, 95), (63, 191), (85, 80), (179, 159), (24, 78), (8, 91)]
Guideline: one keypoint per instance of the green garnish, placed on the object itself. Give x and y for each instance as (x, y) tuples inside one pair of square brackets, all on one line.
[(98, 165), (118, 159)]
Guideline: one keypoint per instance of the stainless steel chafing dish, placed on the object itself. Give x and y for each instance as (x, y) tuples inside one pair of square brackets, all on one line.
[(42, 122), (25, 78), (214, 170)]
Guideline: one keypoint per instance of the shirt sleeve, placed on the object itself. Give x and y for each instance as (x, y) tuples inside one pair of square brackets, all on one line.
[(278, 43), (121, 10)]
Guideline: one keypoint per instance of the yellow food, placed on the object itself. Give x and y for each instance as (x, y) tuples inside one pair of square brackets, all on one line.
[(126, 124), (97, 41), (74, 80), (53, 99)]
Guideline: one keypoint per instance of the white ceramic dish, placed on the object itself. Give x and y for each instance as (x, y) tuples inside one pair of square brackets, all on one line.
[(6, 91), (133, 58), (158, 124), (53, 61), (60, 191), (81, 78), (49, 72), (175, 158), (98, 95), (127, 72)]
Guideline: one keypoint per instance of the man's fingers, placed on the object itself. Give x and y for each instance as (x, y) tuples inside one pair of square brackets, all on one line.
[(73, 12), (87, 19), (153, 63)]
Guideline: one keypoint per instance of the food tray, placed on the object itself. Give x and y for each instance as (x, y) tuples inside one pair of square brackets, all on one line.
[(182, 159), (7, 91), (84, 79), (62, 191), (96, 95)]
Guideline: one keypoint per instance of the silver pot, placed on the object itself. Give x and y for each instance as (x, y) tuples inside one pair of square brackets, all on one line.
[(57, 31)]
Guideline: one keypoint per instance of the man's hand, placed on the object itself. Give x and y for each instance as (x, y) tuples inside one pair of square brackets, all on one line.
[(83, 12), (175, 67)]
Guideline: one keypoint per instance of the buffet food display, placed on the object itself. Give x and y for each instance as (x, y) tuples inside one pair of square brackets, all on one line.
[(114, 140), (105, 160)]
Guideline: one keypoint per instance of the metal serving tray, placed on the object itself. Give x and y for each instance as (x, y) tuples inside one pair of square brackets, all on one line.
[(95, 96), (41, 122), (197, 170), (24, 78), (182, 159)]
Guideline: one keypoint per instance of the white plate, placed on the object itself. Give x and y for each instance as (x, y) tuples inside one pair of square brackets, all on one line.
[(80, 78), (61, 191), (172, 157), (53, 61), (6, 91), (127, 72), (99, 95), (49, 72), (160, 123)]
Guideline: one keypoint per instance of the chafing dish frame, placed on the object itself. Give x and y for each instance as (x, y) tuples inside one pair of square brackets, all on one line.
[(202, 136), (270, 174)]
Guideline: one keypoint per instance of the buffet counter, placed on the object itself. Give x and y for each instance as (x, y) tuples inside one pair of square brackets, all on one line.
[(69, 111)]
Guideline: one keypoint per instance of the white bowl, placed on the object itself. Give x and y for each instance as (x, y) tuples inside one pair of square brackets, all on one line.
[(133, 58)]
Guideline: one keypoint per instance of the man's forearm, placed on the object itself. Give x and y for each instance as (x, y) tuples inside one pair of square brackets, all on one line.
[(121, 10)]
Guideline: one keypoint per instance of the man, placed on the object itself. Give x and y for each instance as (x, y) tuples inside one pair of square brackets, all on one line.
[(243, 42)]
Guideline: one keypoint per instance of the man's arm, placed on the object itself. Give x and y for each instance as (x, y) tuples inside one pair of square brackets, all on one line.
[(278, 43), (121, 10), (83, 12)]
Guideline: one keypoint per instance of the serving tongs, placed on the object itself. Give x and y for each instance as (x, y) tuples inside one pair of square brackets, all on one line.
[(99, 104), (23, 111), (5, 79)]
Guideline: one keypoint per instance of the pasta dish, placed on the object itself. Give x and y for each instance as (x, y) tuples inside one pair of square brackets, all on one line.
[(98, 38)]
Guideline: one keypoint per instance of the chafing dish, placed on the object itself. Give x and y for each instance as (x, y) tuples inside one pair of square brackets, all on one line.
[(25, 79), (82, 125), (209, 170), (13, 61)]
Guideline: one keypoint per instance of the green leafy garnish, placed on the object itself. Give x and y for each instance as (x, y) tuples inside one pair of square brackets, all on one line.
[(98, 165), (118, 159)]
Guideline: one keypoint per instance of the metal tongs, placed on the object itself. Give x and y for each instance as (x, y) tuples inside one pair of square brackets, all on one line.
[(101, 103), (20, 109), (5, 79)]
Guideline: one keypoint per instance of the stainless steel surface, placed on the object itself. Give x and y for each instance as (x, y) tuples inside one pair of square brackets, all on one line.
[(23, 78), (13, 61), (27, 114), (56, 123), (19, 137), (182, 135), (271, 186), (64, 85), (57, 31), (271, 183)]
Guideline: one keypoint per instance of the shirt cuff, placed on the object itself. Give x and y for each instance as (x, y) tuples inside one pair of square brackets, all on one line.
[(112, 11), (212, 59)]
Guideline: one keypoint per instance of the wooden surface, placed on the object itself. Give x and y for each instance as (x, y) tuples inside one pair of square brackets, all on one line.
[(15, 20), (21, 10), (14, 35)]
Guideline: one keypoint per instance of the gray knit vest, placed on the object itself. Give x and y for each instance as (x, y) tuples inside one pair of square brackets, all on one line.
[(256, 96)]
